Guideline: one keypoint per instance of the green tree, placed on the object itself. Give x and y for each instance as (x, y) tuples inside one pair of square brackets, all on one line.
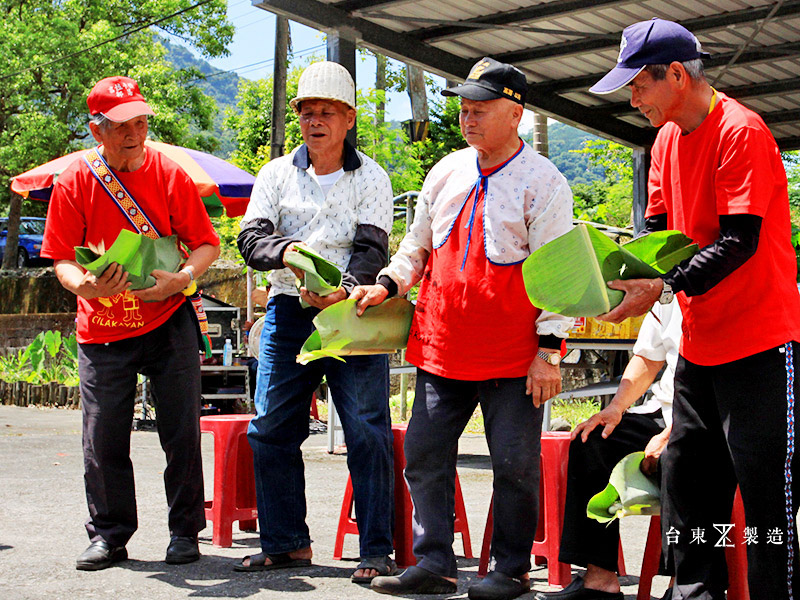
[(444, 132), (607, 200), (56, 50)]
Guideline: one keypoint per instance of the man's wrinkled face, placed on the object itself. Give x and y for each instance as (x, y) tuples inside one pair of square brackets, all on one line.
[(324, 124), (122, 142), (488, 125), (656, 99)]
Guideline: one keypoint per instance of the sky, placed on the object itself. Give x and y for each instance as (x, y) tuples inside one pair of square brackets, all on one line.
[(253, 49)]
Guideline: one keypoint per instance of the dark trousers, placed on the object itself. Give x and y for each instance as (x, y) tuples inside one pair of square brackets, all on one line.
[(360, 390), (168, 356), (585, 541), (733, 423), (442, 408)]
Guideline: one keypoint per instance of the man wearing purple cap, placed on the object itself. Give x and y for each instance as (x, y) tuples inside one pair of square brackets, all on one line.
[(716, 174), (122, 184)]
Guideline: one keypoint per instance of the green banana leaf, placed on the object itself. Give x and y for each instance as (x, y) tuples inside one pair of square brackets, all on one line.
[(321, 275), (382, 329), (629, 492), (568, 275), (139, 255)]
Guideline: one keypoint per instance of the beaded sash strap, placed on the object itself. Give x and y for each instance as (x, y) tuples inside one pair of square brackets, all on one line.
[(136, 217)]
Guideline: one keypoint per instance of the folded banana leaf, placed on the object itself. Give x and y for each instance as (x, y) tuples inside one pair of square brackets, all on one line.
[(382, 329), (568, 275), (321, 275), (629, 492), (139, 255)]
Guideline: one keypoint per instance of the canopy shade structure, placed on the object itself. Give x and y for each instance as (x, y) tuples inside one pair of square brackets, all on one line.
[(564, 46), (222, 186)]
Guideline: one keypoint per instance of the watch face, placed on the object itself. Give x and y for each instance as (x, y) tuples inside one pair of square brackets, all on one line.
[(554, 358)]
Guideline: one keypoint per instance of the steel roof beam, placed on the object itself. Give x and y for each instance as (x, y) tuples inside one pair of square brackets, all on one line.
[(741, 92), (404, 48), (697, 25), (756, 55), (550, 10)]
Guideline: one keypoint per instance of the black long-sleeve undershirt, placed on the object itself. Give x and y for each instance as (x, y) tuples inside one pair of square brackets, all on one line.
[(737, 242)]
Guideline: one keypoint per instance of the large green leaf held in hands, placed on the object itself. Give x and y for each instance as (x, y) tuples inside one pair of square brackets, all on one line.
[(321, 275), (139, 255), (629, 492), (568, 275), (382, 329)]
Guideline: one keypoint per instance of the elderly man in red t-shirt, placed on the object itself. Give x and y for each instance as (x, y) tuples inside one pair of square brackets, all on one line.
[(717, 175), (475, 337), (152, 331)]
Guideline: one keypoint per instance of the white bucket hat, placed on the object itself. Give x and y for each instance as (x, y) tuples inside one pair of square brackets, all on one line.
[(325, 80)]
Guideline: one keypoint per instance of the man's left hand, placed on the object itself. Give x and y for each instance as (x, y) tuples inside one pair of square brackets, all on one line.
[(321, 302), (167, 284), (640, 295), (543, 382)]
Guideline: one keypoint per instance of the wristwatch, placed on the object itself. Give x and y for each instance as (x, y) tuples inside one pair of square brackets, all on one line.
[(553, 358), (666, 294)]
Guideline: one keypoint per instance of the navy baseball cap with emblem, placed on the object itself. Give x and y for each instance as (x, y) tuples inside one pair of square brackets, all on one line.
[(653, 42), (489, 80)]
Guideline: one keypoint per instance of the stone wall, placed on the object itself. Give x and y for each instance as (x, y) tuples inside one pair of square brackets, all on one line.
[(32, 300)]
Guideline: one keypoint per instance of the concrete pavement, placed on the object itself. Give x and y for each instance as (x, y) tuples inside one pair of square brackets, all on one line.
[(42, 509)]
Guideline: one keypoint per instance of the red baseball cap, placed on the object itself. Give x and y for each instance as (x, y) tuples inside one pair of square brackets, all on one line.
[(117, 99)]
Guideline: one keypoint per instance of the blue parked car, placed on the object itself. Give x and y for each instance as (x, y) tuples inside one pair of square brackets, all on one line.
[(31, 230)]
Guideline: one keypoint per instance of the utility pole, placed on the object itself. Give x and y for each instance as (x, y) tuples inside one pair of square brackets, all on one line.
[(277, 135)]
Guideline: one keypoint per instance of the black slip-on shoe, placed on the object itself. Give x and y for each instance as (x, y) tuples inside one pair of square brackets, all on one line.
[(414, 580), (576, 591), (182, 550), (498, 586), (100, 555)]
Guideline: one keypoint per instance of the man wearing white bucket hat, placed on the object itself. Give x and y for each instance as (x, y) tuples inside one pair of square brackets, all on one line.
[(337, 201)]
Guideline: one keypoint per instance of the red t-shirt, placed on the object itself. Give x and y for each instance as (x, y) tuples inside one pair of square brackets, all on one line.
[(472, 323), (730, 165), (82, 212)]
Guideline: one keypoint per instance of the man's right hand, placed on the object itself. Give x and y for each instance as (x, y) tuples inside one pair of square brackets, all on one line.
[(299, 273), (368, 295), (609, 418), (113, 281)]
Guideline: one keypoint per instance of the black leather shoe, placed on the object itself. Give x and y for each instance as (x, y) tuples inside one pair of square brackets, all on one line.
[(182, 550), (100, 555), (576, 591), (498, 586), (414, 580)]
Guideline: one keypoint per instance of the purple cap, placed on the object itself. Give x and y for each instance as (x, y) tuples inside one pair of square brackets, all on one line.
[(653, 42)]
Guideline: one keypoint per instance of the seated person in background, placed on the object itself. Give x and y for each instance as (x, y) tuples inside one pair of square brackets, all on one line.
[(601, 441)]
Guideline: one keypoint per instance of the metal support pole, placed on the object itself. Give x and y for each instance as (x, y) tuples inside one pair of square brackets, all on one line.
[(641, 165), (540, 143), (341, 47)]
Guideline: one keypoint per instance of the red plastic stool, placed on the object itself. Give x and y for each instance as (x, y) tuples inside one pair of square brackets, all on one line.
[(736, 556), (552, 498), (403, 507), (234, 479)]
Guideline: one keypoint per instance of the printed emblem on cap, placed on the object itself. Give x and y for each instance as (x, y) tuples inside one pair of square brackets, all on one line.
[(478, 70), (623, 43), (124, 88)]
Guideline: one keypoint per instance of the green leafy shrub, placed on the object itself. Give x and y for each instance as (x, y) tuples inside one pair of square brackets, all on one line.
[(49, 358)]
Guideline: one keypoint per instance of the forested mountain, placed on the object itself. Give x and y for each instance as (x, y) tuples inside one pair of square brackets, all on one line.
[(562, 140), (220, 85)]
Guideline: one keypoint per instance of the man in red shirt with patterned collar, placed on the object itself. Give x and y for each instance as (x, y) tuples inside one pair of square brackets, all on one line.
[(475, 337), (152, 331), (717, 175)]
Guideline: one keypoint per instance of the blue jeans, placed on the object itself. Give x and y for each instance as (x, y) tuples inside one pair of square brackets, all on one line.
[(360, 391), (442, 408)]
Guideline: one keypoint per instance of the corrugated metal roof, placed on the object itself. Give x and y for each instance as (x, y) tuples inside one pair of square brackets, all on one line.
[(563, 46)]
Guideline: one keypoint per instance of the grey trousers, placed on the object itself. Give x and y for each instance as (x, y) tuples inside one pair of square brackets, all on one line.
[(442, 408), (168, 355)]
